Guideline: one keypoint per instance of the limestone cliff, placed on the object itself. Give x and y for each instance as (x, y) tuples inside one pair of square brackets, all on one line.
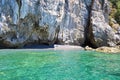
[(76, 22)]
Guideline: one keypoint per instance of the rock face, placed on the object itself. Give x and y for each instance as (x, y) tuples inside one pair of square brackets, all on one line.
[(76, 22), (101, 34)]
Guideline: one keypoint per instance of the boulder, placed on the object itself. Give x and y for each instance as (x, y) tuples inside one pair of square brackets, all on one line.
[(108, 49)]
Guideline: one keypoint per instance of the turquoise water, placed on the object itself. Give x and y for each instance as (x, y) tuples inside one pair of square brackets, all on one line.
[(58, 65)]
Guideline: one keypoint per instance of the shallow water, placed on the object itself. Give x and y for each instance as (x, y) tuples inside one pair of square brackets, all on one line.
[(58, 65)]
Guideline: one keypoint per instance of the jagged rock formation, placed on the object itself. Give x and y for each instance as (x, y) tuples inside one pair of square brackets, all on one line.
[(77, 22), (102, 34)]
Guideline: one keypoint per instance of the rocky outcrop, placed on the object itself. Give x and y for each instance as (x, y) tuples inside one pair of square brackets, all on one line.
[(104, 49), (76, 22), (100, 33), (29, 21), (109, 49)]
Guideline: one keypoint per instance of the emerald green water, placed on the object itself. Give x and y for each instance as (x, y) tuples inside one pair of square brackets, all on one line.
[(58, 65)]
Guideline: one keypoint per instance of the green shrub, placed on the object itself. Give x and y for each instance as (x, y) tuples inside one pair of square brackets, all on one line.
[(115, 11)]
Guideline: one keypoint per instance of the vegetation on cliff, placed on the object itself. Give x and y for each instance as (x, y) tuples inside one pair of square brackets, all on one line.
[(115, 10)]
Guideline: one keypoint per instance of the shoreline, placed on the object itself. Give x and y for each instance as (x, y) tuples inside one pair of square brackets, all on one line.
[(48, 47), (103, 49), (55, 47)]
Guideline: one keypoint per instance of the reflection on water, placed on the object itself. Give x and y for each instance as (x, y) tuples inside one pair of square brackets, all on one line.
[(58, 65)]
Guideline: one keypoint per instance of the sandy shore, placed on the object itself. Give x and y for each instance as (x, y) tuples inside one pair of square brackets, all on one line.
[(67, 47)]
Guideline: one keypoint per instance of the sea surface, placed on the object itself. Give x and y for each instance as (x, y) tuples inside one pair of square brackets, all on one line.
[(35, 64)]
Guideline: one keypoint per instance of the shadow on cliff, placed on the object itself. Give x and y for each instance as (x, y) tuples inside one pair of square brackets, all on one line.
[(41, 46)]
